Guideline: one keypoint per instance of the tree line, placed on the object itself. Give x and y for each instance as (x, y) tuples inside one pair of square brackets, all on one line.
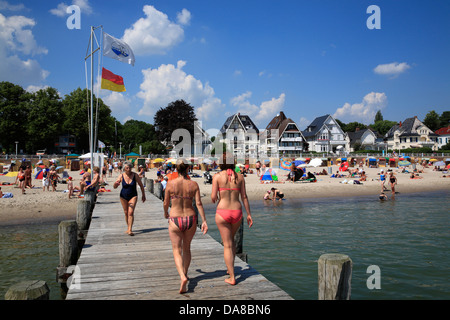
[(36, 120), (432, 120)]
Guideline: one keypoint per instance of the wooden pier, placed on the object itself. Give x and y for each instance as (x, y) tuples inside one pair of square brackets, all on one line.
[(116, 266)]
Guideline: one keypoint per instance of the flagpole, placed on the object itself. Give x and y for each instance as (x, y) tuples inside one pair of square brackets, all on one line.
[(92, 104)]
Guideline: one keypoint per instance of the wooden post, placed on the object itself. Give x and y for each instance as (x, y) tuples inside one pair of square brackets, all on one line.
[(83, 214), (29, 290), (239, 240), (91, 196), (150, 185), (335, 275), (68, 249), (158, 190)]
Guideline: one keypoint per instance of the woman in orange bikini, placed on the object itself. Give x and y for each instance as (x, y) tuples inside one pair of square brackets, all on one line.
[(227, 186), (182, 218)]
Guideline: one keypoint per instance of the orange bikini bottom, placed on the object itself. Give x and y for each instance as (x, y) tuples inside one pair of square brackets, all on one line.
[(230, 216)]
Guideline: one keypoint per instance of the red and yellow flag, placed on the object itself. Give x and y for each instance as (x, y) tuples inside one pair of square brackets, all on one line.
[(111, 81)]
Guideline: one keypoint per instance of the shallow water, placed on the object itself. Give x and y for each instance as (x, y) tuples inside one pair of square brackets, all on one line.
[(408, 239)]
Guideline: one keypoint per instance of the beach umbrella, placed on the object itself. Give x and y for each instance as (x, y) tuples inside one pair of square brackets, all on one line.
[(285, 165), (300, 159), (39, 175), (439, 163), (315, 162), (343, 166), (433, 160), (172, 161), (207, 161), (158, 160), (404, 163), (298, 162)]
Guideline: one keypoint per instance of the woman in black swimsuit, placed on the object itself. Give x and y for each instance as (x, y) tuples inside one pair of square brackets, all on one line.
[(128, 194), (393, 182)]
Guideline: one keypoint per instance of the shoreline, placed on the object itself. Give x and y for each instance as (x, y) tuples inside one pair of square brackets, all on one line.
[(38, 206)]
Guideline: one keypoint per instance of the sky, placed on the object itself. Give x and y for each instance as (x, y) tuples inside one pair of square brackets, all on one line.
[(305, 58)]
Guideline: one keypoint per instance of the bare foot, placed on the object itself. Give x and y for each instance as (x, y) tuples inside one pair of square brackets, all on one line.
[(231, 281), (183, 285)]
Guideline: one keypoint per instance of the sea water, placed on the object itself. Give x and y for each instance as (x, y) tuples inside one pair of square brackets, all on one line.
[(406, 238)]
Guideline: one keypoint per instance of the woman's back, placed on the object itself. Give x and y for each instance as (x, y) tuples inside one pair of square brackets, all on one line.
[(181, 192), (229, 186)]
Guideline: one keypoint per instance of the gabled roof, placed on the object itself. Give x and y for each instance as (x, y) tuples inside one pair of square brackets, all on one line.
[(315, 126), (407, 128), (245, 121), (443, 131), (280, 122), (356, 136)]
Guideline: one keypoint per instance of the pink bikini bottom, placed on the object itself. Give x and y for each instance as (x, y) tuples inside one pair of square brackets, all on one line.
[(230, 216)]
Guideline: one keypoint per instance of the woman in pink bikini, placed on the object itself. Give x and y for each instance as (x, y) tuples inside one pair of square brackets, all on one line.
[(227, 186), (182, 218)]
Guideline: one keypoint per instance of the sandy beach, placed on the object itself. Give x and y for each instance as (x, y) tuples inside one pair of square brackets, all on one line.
[(37, 205)]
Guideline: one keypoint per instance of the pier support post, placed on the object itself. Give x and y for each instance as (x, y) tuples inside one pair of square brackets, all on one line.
[(83, 214), (150, 185), (335, 275), (239, 240), (158, 190), (29, 290), (91, 196), (68, 249)]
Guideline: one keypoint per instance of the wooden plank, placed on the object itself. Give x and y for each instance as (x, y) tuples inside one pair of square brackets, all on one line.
[(115, 266)]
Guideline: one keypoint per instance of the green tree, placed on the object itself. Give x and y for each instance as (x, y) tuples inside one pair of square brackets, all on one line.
[(383, 126), (76, 108), (352, 126), (444, 119), (378, 117), (44, 119), (14, 108), (177, 115), (136, 133), (432, 120)]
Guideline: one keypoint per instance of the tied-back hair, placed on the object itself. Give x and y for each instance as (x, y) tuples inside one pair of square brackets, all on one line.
[(182, 168), (227, 163)]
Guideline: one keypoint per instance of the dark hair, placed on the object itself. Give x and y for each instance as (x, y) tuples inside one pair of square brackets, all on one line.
[(227, 163), (182, 167)]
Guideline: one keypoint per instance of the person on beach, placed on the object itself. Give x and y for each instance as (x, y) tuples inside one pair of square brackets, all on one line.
[(85, 180), (277, 194), (45, 180), (227, 187), (70, 187), (128, 194), (382, 196), (95, 180), (28, 178), (21, 177), (182, 218), (53, 177), (392, 181), (258, 168), (382, 180)]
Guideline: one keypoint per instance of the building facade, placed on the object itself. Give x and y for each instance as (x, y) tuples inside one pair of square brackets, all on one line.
[(324, 134), (411, 133), (283, 137), (241, 136)]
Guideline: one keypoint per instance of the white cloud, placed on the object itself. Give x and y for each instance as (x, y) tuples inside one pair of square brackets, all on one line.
[(363, 112), (17, 41), (60, 10), (184, 17), (4, 5), (393, 69), (155, 33), (303, 123), (169, 83), (261, 113)]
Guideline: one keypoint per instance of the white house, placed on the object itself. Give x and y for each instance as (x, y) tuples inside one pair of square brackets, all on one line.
[(282, 136), (411, 133), (367, 139), (324, 134), (241, 136), (443, 136)]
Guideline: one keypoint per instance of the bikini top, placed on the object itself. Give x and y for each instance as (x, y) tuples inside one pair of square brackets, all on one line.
[(229, 173), (175, 196)]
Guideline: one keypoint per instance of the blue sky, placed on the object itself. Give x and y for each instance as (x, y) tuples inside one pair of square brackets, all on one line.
[(306, 58)]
